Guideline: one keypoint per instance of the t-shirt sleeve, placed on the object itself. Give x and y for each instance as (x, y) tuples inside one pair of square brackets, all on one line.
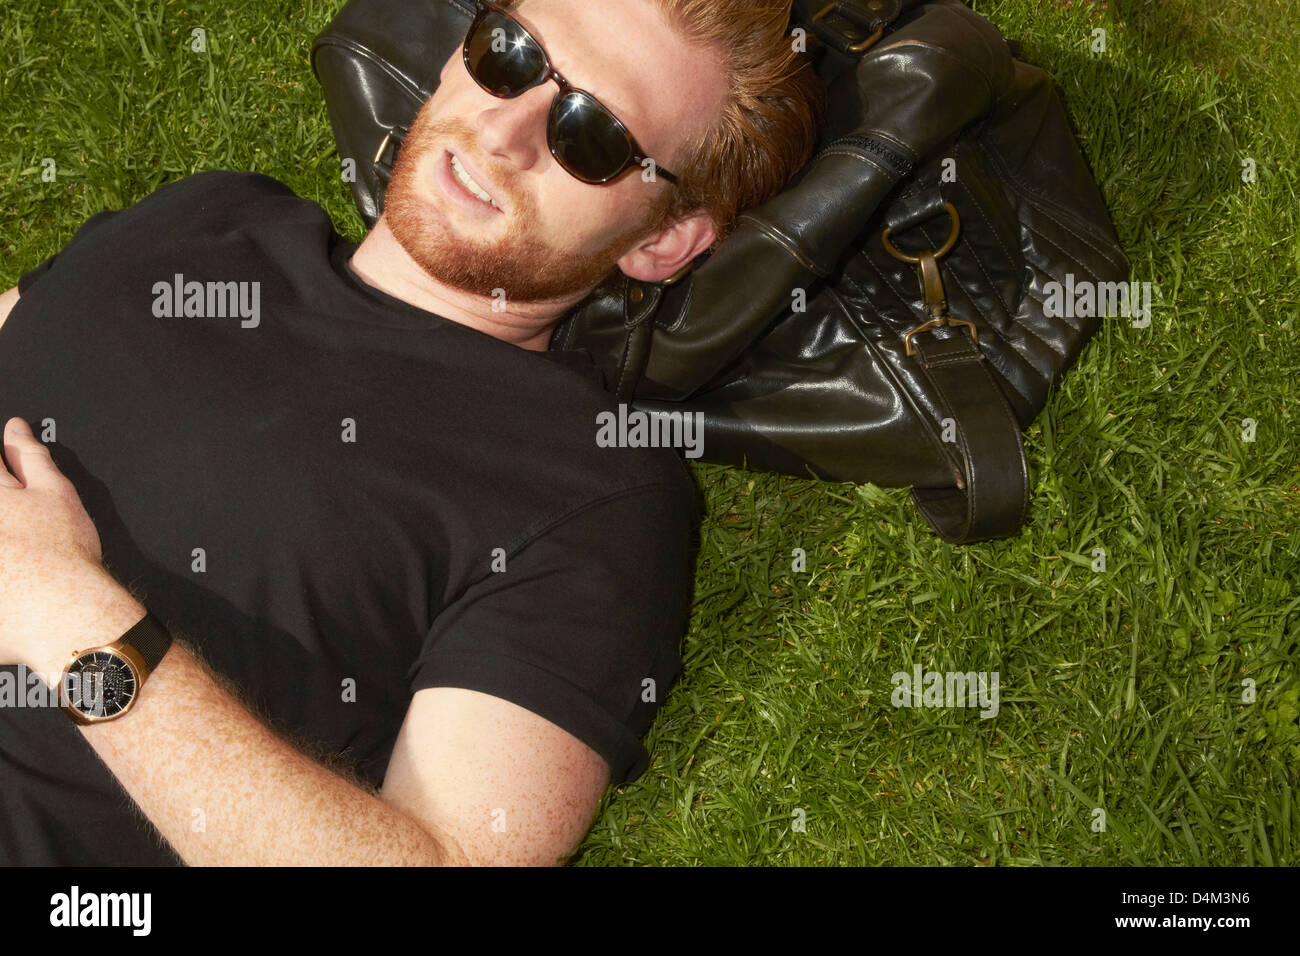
[(583, 626), (26, 280)]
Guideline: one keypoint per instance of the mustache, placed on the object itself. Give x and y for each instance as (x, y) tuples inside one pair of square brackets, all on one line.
[(459, 139)]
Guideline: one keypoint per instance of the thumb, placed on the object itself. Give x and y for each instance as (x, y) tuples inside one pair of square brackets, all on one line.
[(28, 458)]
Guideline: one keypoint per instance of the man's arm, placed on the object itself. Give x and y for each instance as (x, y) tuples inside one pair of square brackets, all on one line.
[(7, 302), (473, 778)]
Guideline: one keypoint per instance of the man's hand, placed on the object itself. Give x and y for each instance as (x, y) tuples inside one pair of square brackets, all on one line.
[(51, 575)]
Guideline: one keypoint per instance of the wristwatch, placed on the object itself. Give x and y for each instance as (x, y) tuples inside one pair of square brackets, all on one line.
[(103, 683)]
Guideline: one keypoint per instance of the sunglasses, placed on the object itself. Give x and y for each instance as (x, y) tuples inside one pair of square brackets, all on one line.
[(585, 138)]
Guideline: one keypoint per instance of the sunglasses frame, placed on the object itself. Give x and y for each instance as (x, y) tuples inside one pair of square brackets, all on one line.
[(638, 156)]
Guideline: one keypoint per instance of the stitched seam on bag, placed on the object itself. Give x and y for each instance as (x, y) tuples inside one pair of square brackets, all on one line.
[(891, 138), (857, 288), (1067, 320), (1035, 201), (863, 157), (1088, 277), (622, 369), (1102, 247), (1005, 251), (1084, 239), (1088, 274), (1064, 319), (1084, 231), (1015, 347), (868, 148), (1018, 348), (1042, 302), (956, 358), (774, 233), (682, 313), (408, 84)]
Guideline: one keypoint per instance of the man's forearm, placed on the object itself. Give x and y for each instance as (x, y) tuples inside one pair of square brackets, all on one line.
[(223, 789)]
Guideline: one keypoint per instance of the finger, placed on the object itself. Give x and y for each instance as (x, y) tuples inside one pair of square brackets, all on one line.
[(7, 480), (29, 460)]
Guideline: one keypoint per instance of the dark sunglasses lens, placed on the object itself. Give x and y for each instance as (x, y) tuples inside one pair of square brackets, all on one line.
[(502, 57), (586, 139)]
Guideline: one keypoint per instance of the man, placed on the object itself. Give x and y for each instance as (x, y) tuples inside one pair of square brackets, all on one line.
[(353, 485)]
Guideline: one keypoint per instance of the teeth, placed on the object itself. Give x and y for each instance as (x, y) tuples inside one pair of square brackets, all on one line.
[(465, 180)]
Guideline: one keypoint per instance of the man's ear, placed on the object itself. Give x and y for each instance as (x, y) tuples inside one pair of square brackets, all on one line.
[(659, 256)]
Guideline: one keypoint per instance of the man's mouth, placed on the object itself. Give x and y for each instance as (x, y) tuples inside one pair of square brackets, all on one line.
[(470, 185)]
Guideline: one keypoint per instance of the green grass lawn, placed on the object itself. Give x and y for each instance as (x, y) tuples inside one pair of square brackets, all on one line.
[(1122, 690)]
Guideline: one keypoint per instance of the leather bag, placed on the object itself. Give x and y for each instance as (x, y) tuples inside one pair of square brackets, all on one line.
[(883, 318)]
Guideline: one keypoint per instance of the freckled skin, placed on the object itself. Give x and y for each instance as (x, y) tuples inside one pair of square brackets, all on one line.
[(548, 783)]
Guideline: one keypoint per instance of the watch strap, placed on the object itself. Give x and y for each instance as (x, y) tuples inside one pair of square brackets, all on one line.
[(150, 638)]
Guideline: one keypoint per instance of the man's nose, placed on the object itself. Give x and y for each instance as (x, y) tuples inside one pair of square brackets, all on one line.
[(515, 129)]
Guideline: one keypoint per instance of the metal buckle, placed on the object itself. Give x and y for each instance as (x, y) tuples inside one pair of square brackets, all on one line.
[(933, 295), (394, 138), (940, 321), (861, 46), (938, 253)]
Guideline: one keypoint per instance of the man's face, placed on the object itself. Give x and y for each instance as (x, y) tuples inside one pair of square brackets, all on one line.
[(553, 237)]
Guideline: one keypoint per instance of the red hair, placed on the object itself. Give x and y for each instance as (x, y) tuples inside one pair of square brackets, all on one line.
[(770, 119)]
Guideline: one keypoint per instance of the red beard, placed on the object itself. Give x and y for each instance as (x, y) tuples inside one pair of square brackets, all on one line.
[(526, 269)]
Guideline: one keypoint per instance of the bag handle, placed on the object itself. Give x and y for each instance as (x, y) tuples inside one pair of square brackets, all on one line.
[(957, 67)]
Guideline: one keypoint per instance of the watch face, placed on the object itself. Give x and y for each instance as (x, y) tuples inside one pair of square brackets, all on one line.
[(100, 684)]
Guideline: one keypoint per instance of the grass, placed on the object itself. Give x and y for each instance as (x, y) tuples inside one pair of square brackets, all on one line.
[(1121, 690)]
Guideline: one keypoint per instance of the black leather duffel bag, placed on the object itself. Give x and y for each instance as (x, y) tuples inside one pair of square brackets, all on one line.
[(882, 319)]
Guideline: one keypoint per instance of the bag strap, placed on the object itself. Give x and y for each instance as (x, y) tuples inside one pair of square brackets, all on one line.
[(992, 500), (992, 490)]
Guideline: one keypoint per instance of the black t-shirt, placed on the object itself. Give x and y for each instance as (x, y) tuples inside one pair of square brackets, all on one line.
[(320, 492)]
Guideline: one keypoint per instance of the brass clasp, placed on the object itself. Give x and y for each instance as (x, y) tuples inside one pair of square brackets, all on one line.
[(935, 323), (932, 293), (862, 45)]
